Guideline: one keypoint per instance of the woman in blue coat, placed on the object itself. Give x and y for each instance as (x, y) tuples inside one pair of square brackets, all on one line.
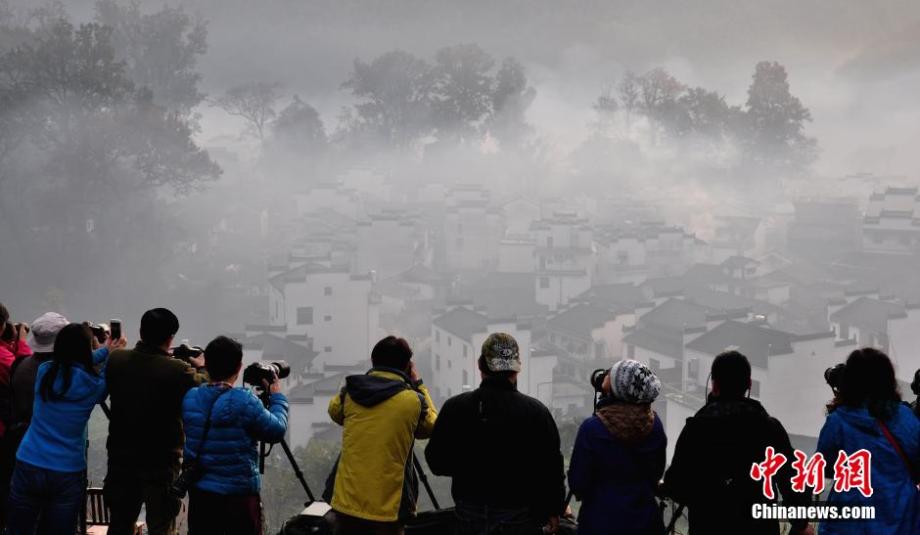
[(619, 456), (866, 402), (48, 481), (226, 498)]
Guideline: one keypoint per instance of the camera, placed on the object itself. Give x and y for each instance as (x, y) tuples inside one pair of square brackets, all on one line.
[(10, 330), (186, 352), (257, 372), (100, 332), (834, 376), (597, 378)]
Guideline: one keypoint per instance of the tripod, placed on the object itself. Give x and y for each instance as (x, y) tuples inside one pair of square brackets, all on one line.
[(266, 449)]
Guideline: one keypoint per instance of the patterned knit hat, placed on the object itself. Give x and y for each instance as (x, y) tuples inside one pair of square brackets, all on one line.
[(501, 353), (632, 382)]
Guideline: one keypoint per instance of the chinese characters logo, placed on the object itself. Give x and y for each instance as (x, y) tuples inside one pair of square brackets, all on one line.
[(850, 472)]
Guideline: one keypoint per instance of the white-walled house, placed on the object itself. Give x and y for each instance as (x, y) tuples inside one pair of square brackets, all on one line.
[(787, 370), (892, 222), (565, 258), (337, 310), (889, 326), (471, 231), (589, 332), (457, 336)]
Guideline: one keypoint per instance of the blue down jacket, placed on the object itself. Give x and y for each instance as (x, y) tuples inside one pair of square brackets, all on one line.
[(230, 456), (895, 497)]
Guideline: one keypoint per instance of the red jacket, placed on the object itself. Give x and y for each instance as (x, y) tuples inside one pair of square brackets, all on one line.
[(8, 354)]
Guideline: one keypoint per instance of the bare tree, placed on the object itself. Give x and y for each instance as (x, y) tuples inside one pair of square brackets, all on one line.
[(254, 103), (628, 91)]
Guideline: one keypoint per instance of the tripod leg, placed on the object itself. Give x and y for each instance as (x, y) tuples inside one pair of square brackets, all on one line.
[(297, 472), (424, 477)]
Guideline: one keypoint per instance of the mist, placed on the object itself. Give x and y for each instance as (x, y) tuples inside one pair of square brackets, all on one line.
[(311, 176)]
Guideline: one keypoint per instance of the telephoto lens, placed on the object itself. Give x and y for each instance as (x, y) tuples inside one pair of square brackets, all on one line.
[(257, 372)]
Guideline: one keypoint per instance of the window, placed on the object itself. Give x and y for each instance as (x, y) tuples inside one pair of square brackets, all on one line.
[(305, 316), (549, 242), (449, 362), (544, 282), (437, 362), (466, 378), (327, 290), (328, 349), (437, 336), (448, 341), (464, 351), (327, 317), (755, 389)]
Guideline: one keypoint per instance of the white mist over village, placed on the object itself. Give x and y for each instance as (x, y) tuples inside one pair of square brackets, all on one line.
[(653, 181)]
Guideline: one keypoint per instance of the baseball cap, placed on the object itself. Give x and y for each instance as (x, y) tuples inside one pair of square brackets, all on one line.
[(501, 354)]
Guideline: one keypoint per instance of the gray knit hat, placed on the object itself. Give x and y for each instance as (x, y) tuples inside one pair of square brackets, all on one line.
[(633, 382)]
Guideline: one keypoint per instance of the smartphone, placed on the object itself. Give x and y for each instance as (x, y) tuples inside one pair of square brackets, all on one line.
[(115, 326)]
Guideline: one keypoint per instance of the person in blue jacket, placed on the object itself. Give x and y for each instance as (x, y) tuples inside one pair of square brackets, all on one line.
[(866, 402), (48, 483), (226, 498), (619, 456)]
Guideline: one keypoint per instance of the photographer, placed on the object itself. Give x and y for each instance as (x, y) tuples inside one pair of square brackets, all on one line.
[(867, 413), (619, 456), (710, 470), (48, 485), (146, 389), (501, 449), (382, 412), (223, 425), (12, 346)]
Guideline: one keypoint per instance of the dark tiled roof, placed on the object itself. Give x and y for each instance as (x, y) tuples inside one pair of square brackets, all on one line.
[(869, 313), (579, 320), (505, 295), (739, 262), (462, 323), (676, 314), (663, 343), (757, 343), (625, 296)]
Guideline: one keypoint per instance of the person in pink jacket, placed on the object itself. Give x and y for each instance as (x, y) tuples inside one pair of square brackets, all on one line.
[(12, 346)]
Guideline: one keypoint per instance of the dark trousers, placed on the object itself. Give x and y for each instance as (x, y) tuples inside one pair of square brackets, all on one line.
[(217, 514), (44, 500), (485, 520), (126, 490), (349, 525)]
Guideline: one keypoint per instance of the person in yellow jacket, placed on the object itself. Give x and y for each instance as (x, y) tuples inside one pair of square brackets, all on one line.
[(382, 412)]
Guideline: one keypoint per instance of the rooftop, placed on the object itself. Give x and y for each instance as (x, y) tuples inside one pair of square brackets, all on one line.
[(869, 313), (579, 320), (462, 323)]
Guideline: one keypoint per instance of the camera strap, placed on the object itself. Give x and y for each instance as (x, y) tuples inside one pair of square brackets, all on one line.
[(207, 425), (897, 447)]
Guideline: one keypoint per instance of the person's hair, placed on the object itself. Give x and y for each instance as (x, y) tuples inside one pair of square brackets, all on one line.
[(222, 357), (391, 352), (868, 381), (73, 346), (158, 325), (732, 371), (4, 315), (484, 368)]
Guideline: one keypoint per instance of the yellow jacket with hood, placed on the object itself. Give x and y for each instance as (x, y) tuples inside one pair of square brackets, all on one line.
[(382, 415)]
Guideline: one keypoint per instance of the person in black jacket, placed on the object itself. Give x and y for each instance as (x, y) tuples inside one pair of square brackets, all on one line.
[(710, 471), (502, 450), (915, 388)]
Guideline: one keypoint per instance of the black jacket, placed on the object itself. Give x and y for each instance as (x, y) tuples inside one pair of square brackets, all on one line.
[(501, 448), (146, 389), (710, 471)]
